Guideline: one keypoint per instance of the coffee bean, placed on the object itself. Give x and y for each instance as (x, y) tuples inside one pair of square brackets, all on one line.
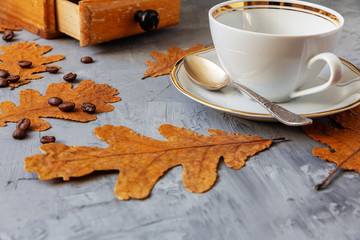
[(70, 77), (24, 63), (66, 106), (23, 123), (4, 73), (86, 59), (88, 107), (8, 35), (19, 133), (47, 139), (55, 101), (52, 69), (3, 83), (13, 78)]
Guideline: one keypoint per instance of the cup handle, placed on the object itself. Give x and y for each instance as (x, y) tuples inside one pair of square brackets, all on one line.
[(336, 72)]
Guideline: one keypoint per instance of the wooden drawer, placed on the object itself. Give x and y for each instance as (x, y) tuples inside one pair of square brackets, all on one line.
[(89, 21), (37, 16)]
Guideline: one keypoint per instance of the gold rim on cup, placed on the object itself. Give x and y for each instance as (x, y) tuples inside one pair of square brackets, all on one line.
[(288, 6)]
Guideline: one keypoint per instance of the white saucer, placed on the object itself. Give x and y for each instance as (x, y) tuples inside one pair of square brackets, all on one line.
[(345, 95)]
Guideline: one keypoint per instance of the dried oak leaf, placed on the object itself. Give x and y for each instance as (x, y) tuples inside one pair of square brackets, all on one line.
[(33, 105), (4, 24), (344, 142), (141, 160), (165, 62), (30, 52)]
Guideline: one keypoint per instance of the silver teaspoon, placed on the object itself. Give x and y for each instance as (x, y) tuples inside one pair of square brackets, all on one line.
[(212, 77)]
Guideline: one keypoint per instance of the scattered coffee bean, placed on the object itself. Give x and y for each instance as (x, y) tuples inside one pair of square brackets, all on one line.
[(4, 73), (47, 139), (12, 88), (8, 35), (55, 101), (3, 83), (23, 123), (24, 63), (86, 59), (52, 69), (21, 126), (88, 107), (66, 106), (70, 77), (13, 78), (19, 133)]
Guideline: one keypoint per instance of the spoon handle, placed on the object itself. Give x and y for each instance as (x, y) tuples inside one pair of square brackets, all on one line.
[(280, 113)]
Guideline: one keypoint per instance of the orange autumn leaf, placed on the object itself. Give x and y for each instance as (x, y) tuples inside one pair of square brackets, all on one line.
[(30, 52), (344, 143), (34, 106), (141, 160), (4, 24), (165, 62)]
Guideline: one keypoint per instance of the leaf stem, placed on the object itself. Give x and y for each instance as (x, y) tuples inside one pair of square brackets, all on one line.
[(324, 184), (279, 139)]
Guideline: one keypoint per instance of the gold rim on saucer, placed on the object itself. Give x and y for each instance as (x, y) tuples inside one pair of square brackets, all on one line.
[(178, 64)]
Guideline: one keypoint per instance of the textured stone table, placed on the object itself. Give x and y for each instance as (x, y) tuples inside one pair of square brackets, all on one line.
[(272, 197)]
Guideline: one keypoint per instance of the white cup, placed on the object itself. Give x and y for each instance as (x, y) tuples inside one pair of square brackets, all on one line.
[(276, 47)]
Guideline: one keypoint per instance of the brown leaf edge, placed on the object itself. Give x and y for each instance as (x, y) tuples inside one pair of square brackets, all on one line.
[(32, 52), (342, 143), (35, 106), (165, 62), (116, 135)]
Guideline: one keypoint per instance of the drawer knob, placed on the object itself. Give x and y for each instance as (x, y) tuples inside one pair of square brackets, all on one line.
[(149, 19)]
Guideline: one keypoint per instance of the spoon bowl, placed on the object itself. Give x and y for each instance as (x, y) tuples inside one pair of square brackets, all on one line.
[(212, 77), (206, 73)]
